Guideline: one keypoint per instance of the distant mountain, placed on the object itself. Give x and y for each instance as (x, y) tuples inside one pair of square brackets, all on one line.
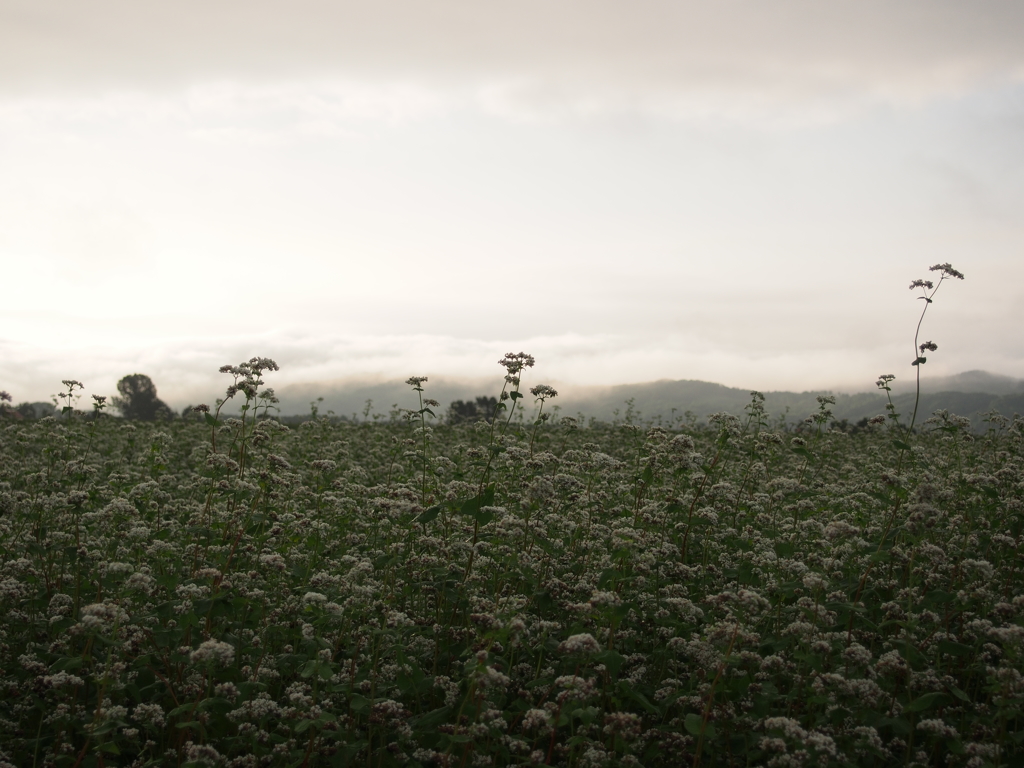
[(669, 399), (975, 393), (702, 398), (968, 381), (348, 398)]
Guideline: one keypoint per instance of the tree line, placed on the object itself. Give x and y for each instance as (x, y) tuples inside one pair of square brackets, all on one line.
[(137, 400)]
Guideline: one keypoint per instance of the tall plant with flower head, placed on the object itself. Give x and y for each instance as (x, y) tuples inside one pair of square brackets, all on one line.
[(513, 363), (416, 382), (69, 398), (928, 290), (248, 378), (543, 393)]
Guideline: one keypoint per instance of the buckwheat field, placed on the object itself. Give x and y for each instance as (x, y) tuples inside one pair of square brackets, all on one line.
[(519, 590)]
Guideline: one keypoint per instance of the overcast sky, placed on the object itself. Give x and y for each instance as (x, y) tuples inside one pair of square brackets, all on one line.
[(738, 192)]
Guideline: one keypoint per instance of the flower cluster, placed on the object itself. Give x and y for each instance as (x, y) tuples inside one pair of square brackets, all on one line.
[(724, 593)]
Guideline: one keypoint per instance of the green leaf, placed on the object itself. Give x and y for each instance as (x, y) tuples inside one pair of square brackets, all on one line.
[(542, 601), (958, 693), (938, 597), (613, 661), (898, 725), (247, 689), (619, 612), (67, 664), (544, 544), (210, 421), (901, 445), (215, 704), (359, 703), (785, 548), (628, 692), (483, 517), (472, 507), (955, 649), (429, 514), (927, 701), (488, 496), (694, 723)]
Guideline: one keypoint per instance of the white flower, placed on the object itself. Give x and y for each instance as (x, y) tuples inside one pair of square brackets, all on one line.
[(215, 651), (536, 718), (62, 679), (599, 599), (938, 727), (582, 643), (149, 714)]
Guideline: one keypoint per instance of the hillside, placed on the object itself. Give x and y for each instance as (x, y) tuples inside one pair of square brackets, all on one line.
[(969, 394)]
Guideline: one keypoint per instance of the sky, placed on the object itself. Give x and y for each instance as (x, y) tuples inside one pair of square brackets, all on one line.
[(737, 192)]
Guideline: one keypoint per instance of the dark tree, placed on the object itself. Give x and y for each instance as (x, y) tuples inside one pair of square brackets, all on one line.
[(469, 410), (36, 410), (138, 400)]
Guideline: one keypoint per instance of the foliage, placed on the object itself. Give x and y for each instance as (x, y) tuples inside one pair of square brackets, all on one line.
[(138, 400), (234, 592), (471, 410)]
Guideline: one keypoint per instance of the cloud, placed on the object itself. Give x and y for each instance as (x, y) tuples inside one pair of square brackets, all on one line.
[(185, 367), (417, 188), (530, 59)]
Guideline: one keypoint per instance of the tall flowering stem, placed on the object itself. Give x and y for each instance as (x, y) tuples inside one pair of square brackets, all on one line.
[(69, 397), (543, 393), (425, 405), (513, 363), (928, 291)]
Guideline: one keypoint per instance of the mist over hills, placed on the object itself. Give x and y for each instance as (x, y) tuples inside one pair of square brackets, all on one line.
[(968, 381), (970, 394)]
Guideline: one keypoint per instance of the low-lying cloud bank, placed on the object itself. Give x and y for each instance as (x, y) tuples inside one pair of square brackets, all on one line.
[(969, 394)]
